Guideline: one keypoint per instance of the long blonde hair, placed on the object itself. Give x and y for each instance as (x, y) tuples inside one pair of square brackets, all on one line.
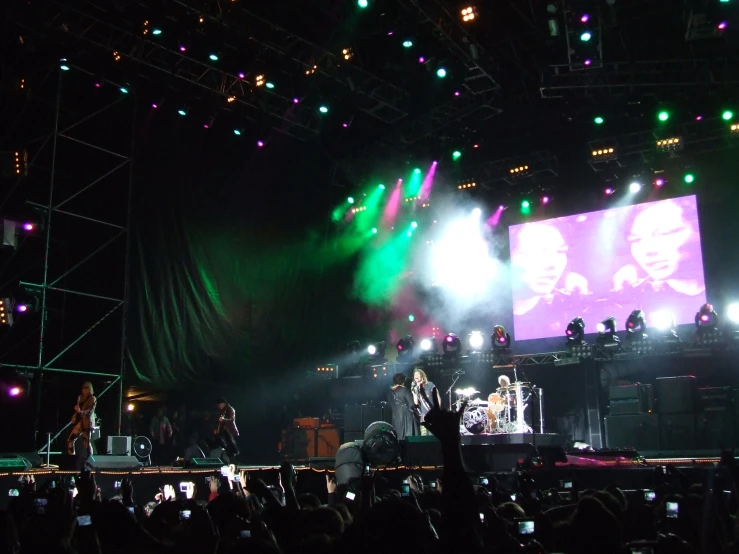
[(89, 387), (422, 373)]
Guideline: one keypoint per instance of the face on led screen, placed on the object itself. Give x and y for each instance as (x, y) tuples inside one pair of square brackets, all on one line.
[(607, 263)]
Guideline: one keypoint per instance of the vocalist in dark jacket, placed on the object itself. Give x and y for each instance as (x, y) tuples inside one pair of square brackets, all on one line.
[(226, 430)]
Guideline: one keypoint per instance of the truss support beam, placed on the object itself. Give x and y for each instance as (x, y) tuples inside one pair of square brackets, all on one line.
[(624, 77)]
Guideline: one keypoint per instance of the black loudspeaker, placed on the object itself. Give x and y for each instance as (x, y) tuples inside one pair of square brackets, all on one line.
[(348, 464), (34, 458), (639, 431), (421, 451), (14, 462), (358, 418), (677, 432), (714, 430), (675, 395), (497, 457), (113, 462)]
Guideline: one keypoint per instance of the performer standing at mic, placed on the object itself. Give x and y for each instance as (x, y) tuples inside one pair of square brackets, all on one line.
[(421, 383), (227, 431), (83, 421)]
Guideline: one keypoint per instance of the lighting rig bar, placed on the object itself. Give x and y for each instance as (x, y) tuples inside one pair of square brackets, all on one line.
[(380, 99), (620, 76), (543, 162), (418, 128), (459, 42), (697, 137), (303, 122)]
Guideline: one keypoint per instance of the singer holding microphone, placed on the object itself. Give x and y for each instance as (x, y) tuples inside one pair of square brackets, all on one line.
[(83, 422), (422, 383)]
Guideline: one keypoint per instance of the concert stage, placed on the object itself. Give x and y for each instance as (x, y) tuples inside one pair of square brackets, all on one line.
[(588, 469)]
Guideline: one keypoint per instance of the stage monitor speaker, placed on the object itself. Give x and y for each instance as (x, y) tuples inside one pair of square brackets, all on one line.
[(497, 457), (421, 451), (348, 464), (202, 463), (358, 418), (114, 462), (14, 462), (118, 446), (638, 431)]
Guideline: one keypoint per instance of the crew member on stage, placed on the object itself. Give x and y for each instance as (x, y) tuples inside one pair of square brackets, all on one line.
[(403, 407), (83, 422), (422, 383), (226, 431)]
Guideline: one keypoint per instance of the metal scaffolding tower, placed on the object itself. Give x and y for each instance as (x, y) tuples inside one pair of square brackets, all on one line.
[(86, 209)]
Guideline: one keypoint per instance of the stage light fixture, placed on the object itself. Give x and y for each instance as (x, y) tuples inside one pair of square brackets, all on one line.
[(722, 26), (732, 313), (323, 109), (347, 53), (663, 322), (689, 178), (476, 340), (545, 200), (663, 116), (575, 331), (259, 80), (374, 230), (734, 129), (500, 338), (607, 326), (230, 99), (706, 319), (451, 345), (376, 350), (407, 43), (635, 325), (586, 36), (525, 205), (6, 312), (405, 347), (520, 170), (441, 73), (63, 64), (634, 187), (428, 345), (672, 144), (469, 14), (598, 120), (727, 115), (237, 132), (350, 200), (269, 84), (456, 155), (359, 209), (603, 154), (466, 185), (362, 3), (116, 56)]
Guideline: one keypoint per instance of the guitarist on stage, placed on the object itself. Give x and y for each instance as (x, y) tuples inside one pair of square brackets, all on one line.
[(83, 420), (226, 431)]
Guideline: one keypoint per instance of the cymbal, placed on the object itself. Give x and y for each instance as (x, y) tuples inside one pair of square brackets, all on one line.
[(466, 392), (477, 402)]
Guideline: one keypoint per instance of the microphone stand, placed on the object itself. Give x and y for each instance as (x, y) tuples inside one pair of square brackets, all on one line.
[(455, 378), (533, 409)]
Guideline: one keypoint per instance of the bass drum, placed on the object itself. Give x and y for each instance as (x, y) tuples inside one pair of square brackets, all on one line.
[(475, 420)]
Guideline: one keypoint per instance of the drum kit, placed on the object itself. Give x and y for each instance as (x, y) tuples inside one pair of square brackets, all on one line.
[(502, 412)]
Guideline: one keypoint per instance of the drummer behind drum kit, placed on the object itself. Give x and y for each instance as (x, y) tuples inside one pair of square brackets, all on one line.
[(503, 412)]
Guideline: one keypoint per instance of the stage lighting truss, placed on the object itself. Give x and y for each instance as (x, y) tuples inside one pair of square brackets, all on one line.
[(359, 209), (466, 185), (672, 144), (328, 371), (519, 171), (583, 33), (605, 154)]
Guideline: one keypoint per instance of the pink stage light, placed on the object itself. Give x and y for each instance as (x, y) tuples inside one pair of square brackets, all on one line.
[(609, 191), (722, 25), (588, 61), (260, 144), (421, 59), (28, 227), (659, 182), (155, 106), (241, 76), (585, 18), (22, 308), (545, 200), (699, 118), (296, 100), (14, 391)]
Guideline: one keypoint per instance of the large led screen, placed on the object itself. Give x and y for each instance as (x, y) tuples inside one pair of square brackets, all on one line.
[(607, 263)]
